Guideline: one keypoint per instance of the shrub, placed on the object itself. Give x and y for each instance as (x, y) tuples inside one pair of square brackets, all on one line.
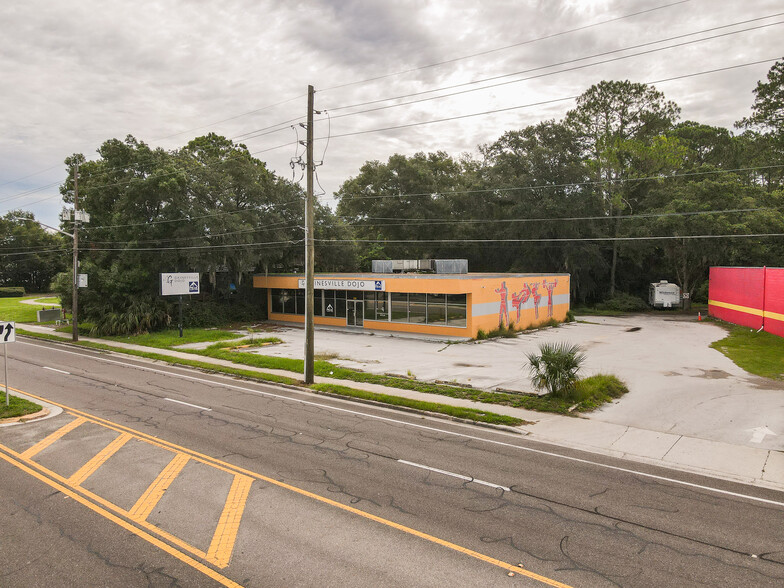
[(139, 316), (12, 292), (623, 302), (569, 316), (596, 390), (555, 367)]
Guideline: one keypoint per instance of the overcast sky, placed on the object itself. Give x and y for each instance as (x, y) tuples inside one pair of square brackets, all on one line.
[(75, 74)]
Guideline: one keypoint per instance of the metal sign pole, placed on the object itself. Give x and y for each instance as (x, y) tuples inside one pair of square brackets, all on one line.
[(5, 365), (180, 315)]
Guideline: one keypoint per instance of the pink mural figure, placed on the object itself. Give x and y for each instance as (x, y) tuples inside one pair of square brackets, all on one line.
[(537, 298), (549, 286), (520, 298), (504, 310)]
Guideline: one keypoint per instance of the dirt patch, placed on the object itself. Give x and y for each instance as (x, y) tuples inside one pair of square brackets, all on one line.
[(714, 374), (468, 365), (633, 329)]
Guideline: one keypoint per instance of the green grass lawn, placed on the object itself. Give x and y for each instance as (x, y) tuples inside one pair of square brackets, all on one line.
[(12, 309), (16, 406), (171, 337), (761, 353)]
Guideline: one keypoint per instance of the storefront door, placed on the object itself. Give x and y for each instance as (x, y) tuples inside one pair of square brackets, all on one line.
[(355, 313)]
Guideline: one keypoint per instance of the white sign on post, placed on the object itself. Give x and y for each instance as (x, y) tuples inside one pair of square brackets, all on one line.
[(82, 280), (7, 335), (179, 284), (7, 332)]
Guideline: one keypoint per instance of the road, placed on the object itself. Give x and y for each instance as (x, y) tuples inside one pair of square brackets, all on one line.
[(156, 475)]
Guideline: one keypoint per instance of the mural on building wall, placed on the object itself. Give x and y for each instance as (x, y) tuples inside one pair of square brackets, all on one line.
[(503, 312), (549, 286), (520, 298), (529, 291)]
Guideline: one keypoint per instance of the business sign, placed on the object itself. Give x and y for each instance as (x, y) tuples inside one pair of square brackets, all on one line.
[(179, 284), (7, 333), (363, 285)]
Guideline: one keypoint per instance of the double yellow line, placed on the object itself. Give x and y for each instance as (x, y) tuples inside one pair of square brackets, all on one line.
[(223, 540)]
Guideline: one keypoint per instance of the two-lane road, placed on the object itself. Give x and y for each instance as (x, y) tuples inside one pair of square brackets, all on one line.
[(157, 473)]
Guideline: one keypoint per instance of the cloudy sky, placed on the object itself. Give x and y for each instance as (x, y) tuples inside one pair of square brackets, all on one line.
[(75, 74)]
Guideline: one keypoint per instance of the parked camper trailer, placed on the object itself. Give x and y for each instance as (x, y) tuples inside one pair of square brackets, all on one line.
[(664, 295)]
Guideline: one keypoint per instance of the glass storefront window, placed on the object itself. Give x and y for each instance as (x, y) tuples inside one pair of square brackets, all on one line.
[(340, 303), (399, 307), (329, 302), (370, 306), (417, 308), (289, 302), (300, 301), (436, 309), (456, 310)]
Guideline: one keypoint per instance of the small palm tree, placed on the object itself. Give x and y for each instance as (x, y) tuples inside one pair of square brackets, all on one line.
[(555, 367)]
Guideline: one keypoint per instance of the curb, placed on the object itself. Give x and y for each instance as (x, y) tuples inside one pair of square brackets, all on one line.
[(26, 417)]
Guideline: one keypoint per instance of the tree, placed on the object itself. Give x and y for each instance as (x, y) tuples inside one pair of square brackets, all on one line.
[(766, 125), (616, 123), (30, 256), (209, 207)]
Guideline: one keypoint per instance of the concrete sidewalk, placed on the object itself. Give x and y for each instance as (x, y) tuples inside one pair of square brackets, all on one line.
[(736, 462)]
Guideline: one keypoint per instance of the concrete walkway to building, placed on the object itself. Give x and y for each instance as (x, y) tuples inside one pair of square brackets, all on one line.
[(689, 407)]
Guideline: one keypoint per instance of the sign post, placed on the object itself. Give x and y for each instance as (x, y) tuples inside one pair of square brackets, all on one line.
[(179, 284), (7, 335)]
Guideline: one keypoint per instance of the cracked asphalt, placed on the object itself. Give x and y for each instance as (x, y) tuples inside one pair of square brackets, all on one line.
[(341, 494)]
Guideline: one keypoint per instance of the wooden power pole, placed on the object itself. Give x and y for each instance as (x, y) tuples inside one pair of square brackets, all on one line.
[(75, 302), (309, 266)]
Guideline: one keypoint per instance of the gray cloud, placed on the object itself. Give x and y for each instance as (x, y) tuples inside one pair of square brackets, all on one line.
[(77, 74)]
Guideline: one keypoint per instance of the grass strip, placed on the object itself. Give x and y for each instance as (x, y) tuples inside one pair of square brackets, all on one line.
[(16, 406), (329, 370), (760, 353), (454, 411), (202, 365)]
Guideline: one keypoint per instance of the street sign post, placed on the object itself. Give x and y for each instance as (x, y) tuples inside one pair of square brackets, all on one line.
[(7, 335)]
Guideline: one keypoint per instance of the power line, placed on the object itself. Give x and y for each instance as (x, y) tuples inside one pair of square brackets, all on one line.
[(551, 240), (520, 44), (529, 105), (583, 66), (417, 222), (571, 184)]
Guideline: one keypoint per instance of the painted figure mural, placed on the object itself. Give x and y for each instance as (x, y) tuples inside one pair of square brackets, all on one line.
[(549, 286), (503, 312), (537, 298), (520, 298)]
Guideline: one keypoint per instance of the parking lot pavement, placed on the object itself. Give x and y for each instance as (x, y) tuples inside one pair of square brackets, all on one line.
[(678, 384)]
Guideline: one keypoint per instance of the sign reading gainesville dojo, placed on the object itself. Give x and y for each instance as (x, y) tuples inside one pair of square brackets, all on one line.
[(340, 284), (179, 284)]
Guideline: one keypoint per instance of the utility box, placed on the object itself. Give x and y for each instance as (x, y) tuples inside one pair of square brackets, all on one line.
[(664, 295)]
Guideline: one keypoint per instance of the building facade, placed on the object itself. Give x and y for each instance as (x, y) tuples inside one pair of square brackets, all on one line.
[(441, 304)]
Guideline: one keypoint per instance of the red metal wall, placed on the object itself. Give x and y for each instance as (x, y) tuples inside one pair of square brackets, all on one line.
[(749, 296), (774, 301)]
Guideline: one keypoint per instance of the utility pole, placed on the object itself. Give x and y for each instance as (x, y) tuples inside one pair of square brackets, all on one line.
[(309, 294), (75, 302)]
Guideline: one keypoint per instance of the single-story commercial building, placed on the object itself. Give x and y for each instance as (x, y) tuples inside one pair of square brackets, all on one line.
[(436, 304)]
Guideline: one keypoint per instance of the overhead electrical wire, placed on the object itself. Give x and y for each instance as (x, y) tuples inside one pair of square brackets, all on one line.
[(497, 49), (554, 239), (545, 74)]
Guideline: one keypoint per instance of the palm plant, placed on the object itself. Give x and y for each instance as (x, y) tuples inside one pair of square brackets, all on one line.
[(555, 367)]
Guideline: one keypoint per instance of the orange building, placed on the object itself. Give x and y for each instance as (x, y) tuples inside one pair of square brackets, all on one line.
[(436, 304)]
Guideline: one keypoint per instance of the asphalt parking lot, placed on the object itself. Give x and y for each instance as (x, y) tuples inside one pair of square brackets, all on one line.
[(677, 383)]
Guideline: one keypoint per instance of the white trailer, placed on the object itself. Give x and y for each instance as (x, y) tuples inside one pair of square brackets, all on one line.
[(664, 295)]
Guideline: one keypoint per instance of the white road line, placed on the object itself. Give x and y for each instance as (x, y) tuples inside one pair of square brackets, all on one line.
[(58, 371), (187, 404), (427, 428), (454, 475)]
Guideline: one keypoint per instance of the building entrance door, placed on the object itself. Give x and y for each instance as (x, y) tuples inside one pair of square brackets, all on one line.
[(355, 313)]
